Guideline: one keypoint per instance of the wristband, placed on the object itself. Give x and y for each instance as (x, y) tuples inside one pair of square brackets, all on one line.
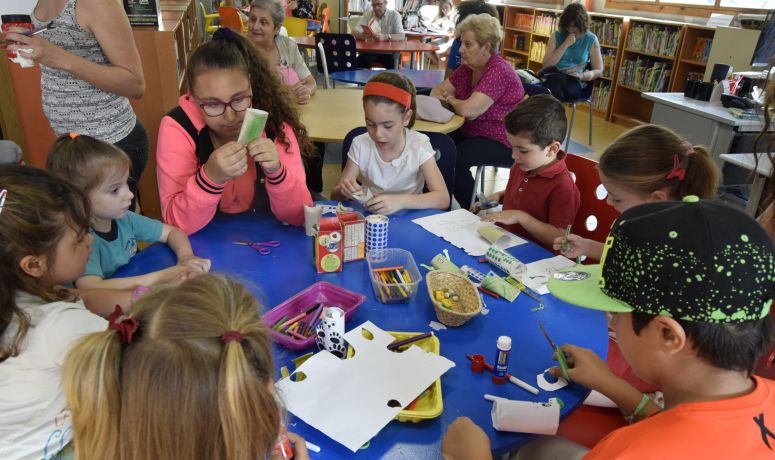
[(139, 292), (639, 411)]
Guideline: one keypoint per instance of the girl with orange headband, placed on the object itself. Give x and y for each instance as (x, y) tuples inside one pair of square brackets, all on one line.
[(393, 161)]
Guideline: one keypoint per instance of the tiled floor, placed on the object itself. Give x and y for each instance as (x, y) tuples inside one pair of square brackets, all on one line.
[(603, 133)]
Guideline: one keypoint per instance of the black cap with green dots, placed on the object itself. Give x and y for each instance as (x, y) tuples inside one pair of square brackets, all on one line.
[(694, 260)]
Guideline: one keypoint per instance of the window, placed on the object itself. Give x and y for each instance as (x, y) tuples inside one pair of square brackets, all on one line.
[(694, 7)]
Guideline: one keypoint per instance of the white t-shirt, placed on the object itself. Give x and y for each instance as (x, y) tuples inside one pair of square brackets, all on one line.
[(401, 175), (35, 422)]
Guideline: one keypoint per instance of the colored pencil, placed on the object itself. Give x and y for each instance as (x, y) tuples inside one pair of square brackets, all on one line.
[(296, 335), (489, 292), (407, 341), (388, 269), (279, 322)]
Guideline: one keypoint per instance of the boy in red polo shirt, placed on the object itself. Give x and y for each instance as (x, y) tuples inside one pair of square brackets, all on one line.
[(540, 199)]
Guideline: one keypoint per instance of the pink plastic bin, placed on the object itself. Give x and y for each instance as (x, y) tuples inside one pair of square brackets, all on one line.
[(321, 292)]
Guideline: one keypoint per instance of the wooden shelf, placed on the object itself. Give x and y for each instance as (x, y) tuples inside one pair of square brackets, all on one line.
[(536, 34), (517, 29), (694, 62), (515, 51), (646, 53), (605, 45), (627, 120), (602, 77), (631, 88)]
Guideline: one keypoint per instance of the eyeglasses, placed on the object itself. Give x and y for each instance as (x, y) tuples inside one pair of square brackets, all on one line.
[(217, 108)]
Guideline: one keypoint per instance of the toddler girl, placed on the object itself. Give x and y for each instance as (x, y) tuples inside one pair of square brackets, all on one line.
[(186, 374), (44, 245), (647, 163), (100, 171), (393, 161)]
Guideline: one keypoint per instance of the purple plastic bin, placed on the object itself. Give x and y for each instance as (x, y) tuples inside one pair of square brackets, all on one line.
[(320, 292)]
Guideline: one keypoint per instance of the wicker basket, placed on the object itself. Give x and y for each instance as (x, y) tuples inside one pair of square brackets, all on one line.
[(469, 305)]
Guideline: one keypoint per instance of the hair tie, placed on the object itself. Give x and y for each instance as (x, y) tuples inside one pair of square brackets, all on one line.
[(688, 147), (378, 88), (224, 33), (228, 336), (125, 326), (3, 194), (73, 135), (678, 172)]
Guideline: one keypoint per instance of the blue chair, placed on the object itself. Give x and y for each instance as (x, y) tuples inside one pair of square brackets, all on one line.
[(335, 52), (446, 153)]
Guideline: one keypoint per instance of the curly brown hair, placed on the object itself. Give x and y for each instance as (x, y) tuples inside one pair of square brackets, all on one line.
[(574, 15), (231, 51)]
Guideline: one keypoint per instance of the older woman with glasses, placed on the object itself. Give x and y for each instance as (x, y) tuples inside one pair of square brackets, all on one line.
[(264, 23), (203, 166)]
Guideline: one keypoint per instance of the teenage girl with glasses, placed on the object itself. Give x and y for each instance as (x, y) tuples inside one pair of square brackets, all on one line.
[(202, 168)]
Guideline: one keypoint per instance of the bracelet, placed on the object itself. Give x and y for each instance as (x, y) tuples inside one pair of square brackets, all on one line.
[(640, 409)]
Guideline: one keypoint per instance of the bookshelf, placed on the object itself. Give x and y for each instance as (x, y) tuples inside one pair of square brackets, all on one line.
[(610, 31), (648, 60), (544, 25), (693, 56), (517, 37)]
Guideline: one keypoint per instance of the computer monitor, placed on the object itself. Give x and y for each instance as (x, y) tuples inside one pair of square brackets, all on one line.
[(765, 47)]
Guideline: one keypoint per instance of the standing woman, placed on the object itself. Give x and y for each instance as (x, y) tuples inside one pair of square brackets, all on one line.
[(89, 67), (201, 165), (264, 24), (482, 90), (569, 49)]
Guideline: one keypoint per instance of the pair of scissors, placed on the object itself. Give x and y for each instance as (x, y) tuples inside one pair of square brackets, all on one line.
[(263, 247), (559, 353)]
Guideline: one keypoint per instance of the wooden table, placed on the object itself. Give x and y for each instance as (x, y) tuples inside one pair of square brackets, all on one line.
[(374, 46), (332, 113)]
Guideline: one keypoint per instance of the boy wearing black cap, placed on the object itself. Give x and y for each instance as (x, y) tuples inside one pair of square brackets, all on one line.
[(689, 286)]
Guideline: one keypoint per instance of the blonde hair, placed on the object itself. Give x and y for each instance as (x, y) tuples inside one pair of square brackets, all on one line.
[(643, 157), (84, 161), (178, 390), (486, 29)]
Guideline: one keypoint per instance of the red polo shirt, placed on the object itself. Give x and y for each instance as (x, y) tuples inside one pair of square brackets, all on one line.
[(549, 195)]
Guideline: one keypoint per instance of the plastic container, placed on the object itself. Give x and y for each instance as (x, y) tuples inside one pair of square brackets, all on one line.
[(15, 20), (430, 403), (320, 292), (388, 288)]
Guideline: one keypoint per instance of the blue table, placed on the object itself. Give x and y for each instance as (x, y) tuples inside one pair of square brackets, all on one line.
[(289, 269), (314, 25), (422, 79)]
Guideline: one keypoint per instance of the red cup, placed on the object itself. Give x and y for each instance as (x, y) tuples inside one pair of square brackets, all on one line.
[(23, 21), (477, 363)]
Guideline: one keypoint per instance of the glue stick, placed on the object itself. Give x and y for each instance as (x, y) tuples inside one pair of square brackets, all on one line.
[(503, 348)]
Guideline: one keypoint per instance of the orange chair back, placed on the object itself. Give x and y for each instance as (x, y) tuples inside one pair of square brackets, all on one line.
[(231, 18), (595, 216), (326, 19)]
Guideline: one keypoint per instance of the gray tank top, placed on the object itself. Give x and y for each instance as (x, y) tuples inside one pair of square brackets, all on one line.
[(71, 104)]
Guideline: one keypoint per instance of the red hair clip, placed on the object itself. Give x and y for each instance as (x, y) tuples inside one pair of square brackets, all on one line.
[(73, 135), (378, 88), (125, 326), (678, 172)]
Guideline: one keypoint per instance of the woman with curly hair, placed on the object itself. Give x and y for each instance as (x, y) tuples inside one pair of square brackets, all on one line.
[(203, 169)]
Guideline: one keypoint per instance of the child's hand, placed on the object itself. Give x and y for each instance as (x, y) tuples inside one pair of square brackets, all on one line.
[(195, 263), (384, 204), (577, 246), (585, 367), (348, 187), (504, 217), (465, 440), (227, 162), (299, 446), (174, 275), (264, 152)]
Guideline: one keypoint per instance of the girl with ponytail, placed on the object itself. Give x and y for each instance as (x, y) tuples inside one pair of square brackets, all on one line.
[(186, 374), (203, 169)]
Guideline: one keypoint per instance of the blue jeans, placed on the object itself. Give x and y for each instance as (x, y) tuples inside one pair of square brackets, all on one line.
[(135, 144)]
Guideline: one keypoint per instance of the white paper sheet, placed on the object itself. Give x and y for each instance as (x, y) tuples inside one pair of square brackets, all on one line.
[(539, 272), (460, 228), (526, 416), (348, 399)]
